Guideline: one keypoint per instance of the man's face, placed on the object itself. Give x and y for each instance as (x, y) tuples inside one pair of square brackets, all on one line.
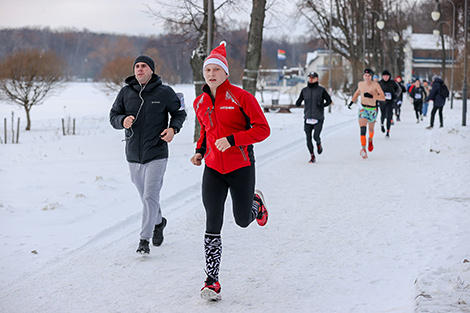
[(142, 72), (417, 83), (425, 84), (367, 77), (386, 77), (312, 80), (214, 75)]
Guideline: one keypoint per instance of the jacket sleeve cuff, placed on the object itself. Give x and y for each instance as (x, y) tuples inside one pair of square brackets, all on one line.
[(231, 140)]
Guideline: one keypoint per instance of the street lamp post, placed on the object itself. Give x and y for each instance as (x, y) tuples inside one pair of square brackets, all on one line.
[(464, 89), (380, 25), (435, 15), (330, 47), (436, 32)]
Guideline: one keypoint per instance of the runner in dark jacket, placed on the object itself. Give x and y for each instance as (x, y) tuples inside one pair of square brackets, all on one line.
[(418, 94), (438, 99), (316, 99), (392, 91), (144, 108), (398, 103)]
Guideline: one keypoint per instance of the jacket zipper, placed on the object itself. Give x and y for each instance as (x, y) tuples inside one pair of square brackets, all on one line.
[(243, 153)]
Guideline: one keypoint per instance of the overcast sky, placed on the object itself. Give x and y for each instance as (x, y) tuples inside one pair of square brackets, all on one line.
[(110, 16), (128, 17)]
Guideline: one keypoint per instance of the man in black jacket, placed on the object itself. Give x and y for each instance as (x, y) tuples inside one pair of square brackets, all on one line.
[(144, 108), (438, 98), (392, 91), (316, 99)]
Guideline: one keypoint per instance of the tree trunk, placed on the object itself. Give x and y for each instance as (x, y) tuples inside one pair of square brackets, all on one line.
[(28, 118), (197, 60), (443, 58), (254, 47)]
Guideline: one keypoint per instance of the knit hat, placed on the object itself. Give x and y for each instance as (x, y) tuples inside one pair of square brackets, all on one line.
[(218, 57), (312, 74), (386, 72), (368, 71), (147, 60)]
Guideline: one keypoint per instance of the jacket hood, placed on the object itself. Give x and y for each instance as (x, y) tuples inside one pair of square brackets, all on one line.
[(438, 80)]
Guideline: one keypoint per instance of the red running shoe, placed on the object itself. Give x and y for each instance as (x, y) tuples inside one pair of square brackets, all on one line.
[(262, 217), (211, 290), (371, 145)]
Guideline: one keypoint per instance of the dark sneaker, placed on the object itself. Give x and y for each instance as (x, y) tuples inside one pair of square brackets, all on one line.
[(312, 159), (382, 128), (429, 127), (387, 136), (211, 290), (371, 145), (157, 239), (143, 247), (262, 217), (319, 148)]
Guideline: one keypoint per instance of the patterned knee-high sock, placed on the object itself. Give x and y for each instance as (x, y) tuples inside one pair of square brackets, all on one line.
[(213, 250), (255, 209)]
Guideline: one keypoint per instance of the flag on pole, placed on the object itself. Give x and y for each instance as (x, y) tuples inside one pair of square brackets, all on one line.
[(281, 54)]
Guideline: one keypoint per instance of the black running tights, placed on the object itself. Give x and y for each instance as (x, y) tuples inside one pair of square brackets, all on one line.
[(215, 187), (316, 129)]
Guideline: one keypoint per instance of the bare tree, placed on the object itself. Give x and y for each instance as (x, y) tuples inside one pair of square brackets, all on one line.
[(28, 77), (353, 31), (114, 73)]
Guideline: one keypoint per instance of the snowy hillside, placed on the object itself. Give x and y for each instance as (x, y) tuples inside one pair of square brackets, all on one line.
[(386, 234)]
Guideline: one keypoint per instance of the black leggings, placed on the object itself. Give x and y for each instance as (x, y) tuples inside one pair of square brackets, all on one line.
[(433, 114), (215, 188), (386, 112), (316, 128), (418, 106)]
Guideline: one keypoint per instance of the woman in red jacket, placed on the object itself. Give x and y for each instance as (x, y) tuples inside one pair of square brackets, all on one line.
[(231, 122)]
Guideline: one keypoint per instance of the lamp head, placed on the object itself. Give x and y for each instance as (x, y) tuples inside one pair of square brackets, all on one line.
[(380, 25)]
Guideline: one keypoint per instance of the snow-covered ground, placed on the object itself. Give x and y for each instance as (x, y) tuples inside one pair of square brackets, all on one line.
[(386, 234)]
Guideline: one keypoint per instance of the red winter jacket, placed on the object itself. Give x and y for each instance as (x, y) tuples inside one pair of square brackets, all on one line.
[(235, 114)]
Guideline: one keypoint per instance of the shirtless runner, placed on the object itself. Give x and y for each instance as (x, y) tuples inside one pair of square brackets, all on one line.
[(370, 93)]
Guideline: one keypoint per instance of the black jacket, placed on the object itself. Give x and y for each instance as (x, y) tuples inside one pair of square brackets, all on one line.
[(391, 90), (418, 94), (143, 142), (316, 99), (435, 93)]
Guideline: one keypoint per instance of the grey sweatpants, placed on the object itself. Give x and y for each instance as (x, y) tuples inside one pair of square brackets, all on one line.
[(148, 179)]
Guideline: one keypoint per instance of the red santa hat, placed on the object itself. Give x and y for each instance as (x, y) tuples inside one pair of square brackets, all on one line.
[(218, 56)]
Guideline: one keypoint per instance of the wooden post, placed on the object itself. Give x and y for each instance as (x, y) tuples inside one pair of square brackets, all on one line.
[(5, 128), (18, 130), (63, 127), (73, 132), (12, 127)]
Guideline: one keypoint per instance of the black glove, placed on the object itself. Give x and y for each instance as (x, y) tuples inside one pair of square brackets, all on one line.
[(350, 104), (368, 95)]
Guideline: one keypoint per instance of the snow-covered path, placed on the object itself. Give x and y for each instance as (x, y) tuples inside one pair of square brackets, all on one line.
[(344, 234)]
